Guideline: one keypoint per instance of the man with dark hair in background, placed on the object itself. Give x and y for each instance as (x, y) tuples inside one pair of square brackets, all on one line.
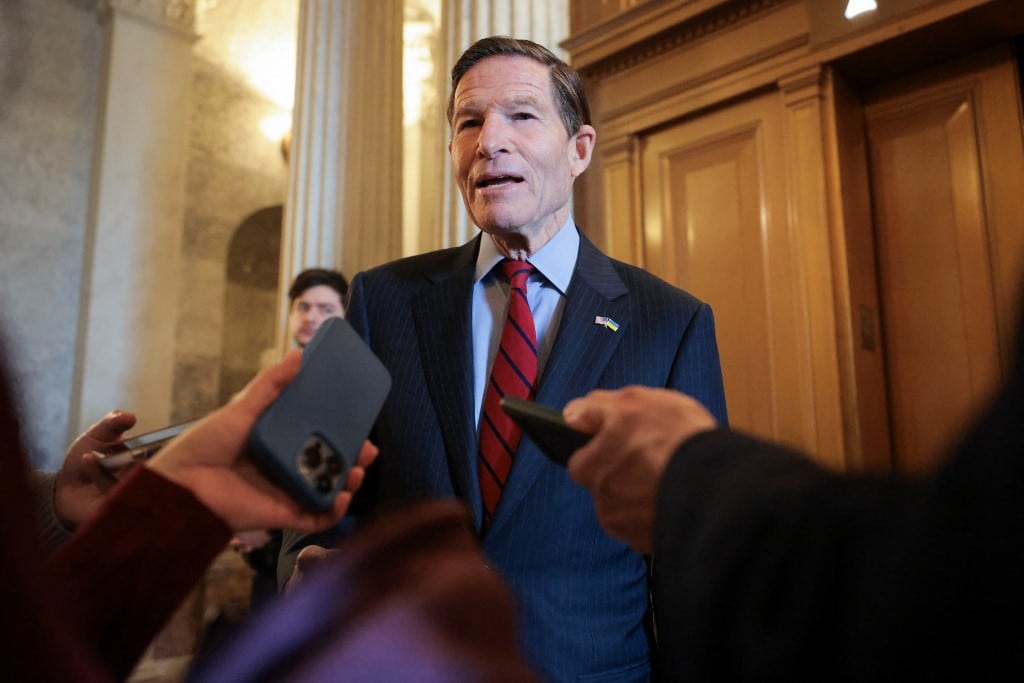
[(315, 295)]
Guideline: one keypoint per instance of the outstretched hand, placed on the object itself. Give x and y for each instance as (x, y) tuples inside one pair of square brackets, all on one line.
[(209, 460), (308, 559), (82, 481), (636, 431)]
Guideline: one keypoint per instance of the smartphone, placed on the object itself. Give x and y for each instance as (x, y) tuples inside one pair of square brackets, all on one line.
[(546, 427), (137, 448), (310, 436)]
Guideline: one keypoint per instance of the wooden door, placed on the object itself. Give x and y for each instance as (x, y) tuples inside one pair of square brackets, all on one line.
[(715, 223), (947, 179)]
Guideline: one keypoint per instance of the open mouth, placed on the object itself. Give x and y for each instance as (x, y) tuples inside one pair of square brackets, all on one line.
[(498, 180)]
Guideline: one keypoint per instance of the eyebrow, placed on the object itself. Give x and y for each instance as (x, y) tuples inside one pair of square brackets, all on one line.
[(512, 102)]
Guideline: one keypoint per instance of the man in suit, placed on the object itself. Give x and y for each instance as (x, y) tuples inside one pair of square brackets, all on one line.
[(770, 568), (520, 135)]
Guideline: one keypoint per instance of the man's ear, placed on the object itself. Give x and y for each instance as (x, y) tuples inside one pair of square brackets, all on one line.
[(581, 149)]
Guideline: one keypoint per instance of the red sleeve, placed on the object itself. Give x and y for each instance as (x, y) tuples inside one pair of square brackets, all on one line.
[(125, 571)]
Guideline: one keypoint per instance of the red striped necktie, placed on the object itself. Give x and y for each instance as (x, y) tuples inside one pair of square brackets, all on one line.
[(514, 373)]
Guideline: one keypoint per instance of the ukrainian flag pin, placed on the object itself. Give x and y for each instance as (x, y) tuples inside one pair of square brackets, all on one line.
[(605, 321)]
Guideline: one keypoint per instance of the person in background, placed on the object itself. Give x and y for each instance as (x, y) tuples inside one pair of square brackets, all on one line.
[(531, 307), (769, 567), (315, 295)]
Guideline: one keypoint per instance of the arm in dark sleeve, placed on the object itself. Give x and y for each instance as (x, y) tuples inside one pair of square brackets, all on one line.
[(772, 568), (762, 557), (52, 531), (125, 571)]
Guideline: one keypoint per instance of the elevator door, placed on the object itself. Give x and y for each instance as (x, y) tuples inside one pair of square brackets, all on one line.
[(945, 158)]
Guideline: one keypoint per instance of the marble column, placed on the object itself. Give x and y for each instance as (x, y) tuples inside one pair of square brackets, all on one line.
[(125, 350), (344, 205)]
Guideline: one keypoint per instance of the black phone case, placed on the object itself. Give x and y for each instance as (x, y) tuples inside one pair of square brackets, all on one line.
[(310, 437), (546, 427)]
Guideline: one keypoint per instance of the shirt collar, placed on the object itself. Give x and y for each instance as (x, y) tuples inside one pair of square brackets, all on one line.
[(556, 260)]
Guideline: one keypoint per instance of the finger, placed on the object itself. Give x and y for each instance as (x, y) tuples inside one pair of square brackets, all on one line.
[(584, 414), (367, 454), (112, 425), (96, 472), (339, 508), (312, 522), (354, 479), (589, 414), (261, 391), (108, 429)]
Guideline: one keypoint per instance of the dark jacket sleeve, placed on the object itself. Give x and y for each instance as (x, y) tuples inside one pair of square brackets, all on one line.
[(52, 531), (768, 567), (124, 572)]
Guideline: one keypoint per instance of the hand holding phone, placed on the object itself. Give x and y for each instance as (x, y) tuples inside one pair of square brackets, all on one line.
[(311, 435), (546, 427), (138, 448)]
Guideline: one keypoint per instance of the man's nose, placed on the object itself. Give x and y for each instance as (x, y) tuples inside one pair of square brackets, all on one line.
[(493, 136)]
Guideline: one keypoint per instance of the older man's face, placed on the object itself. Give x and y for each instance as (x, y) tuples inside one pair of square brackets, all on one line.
[(513, 159)]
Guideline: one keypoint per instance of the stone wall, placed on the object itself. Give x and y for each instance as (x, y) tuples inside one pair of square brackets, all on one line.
[(49, 64), (236, 184)]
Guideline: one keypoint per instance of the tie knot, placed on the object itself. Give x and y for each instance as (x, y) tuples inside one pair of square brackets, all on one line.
[(517, 272)]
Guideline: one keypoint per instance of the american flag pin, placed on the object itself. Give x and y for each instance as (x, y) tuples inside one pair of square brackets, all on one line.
[(605, 321)]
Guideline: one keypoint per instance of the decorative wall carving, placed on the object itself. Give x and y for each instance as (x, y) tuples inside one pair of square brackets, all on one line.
[(673, 37), (174, 15)]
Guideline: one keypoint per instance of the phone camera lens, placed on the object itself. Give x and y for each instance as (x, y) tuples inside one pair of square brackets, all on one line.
[(313, 457)]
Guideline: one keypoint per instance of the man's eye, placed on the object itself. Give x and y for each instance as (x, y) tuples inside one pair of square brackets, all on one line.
[(468, 123), (522, 116)]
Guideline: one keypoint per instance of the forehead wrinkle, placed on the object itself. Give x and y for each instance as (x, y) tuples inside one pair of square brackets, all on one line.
[(523, 93), (506, 104)]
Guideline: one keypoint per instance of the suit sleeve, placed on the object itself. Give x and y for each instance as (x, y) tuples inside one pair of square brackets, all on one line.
[(697, 370)]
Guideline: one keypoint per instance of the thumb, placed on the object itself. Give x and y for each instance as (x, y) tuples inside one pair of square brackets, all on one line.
[(583, 415)]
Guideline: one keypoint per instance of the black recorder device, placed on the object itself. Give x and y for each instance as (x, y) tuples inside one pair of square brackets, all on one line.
[(546, 427), (310, 436)]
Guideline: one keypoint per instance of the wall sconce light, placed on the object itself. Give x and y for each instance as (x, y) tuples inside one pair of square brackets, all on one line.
[(857, 7), (278, 128)]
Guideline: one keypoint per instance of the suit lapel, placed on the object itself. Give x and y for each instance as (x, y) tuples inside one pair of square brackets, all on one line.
[(442, 317), (578, 358)]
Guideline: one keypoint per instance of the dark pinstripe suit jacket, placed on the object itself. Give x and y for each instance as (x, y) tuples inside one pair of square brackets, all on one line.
[(582, 596)]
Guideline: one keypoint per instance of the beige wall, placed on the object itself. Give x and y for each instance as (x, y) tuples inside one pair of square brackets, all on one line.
[(52, 74), (49, 67)]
